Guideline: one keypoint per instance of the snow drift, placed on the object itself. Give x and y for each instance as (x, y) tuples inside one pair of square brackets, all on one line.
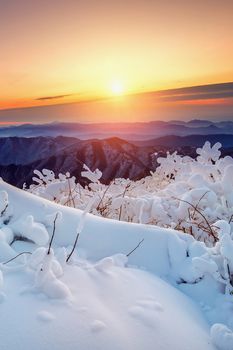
[(101, 298)]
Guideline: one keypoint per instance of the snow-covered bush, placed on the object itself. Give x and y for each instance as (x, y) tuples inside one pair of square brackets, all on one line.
[(192, 261), (183, 193)]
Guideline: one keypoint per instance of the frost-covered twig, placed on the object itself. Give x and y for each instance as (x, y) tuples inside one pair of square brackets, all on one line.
[(70, 193), (102, 198), (81, 225), (123, 195)]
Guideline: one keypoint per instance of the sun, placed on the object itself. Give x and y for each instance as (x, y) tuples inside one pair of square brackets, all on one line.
[(117, 88)]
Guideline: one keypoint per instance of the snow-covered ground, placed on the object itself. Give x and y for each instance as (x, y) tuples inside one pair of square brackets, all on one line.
[(172, 292), (111, 307)]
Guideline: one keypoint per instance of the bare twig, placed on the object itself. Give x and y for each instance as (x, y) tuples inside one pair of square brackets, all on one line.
[(231, 219), (81, 224), (6, 262), (196, 206), (52, 237), (210, 231), (4, 210), (138, 245), (74, 246)]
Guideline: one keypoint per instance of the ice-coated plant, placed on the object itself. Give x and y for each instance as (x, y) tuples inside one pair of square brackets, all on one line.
[(183, 193)]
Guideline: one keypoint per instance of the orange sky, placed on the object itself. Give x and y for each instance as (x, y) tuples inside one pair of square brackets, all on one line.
[(66, 51)]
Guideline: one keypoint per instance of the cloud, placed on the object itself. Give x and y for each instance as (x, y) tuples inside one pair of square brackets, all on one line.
[(190, 93), (201, 92), (55, 97)]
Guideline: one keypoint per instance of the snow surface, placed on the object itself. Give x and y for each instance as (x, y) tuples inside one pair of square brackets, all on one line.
[(166, 295), (119, 308)]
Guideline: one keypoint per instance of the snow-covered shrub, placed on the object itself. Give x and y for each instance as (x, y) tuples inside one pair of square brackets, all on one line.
[(192, 262), (61, 190), (183, 193)]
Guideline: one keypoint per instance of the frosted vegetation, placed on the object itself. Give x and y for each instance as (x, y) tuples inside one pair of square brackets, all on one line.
[(186, 194), (85, 261)]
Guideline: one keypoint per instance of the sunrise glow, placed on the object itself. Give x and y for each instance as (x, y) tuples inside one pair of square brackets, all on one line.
[(153, 45), (117, 88)]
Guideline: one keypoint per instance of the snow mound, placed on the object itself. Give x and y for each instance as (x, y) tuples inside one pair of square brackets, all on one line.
[(123, 279), (222, 337), (122, 310)]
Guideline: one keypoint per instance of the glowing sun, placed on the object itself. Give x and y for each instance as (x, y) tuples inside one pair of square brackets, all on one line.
[(117, 88)]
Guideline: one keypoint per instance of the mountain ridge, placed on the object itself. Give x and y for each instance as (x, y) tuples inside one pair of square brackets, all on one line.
[(136, 131), (114, 156)]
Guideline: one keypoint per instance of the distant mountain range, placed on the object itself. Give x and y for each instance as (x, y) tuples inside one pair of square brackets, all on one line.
[(129, 131), (115, 157), (191, 141)]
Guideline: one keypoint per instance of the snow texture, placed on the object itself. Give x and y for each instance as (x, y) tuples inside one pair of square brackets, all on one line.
[(124, 279)]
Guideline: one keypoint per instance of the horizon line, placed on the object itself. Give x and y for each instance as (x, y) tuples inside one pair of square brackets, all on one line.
[(185, 93)]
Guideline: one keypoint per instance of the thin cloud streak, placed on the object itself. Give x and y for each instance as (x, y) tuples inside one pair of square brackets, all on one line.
[(55, 97), (201, 92), (214, 101)]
